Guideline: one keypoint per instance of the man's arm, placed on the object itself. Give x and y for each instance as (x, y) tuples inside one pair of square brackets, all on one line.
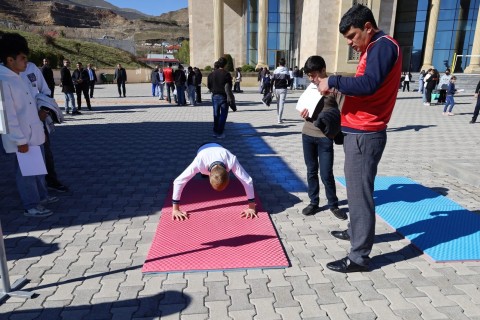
[(380, 61), (178, 184)]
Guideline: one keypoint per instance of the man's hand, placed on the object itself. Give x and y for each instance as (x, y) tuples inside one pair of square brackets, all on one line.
[(250, 212), (43, 114), (323, 86), (23, 148), (304, 113), (179, 215), (476, 95)]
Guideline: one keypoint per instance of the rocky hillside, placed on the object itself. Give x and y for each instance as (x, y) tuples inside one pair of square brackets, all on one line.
[(92, 19)]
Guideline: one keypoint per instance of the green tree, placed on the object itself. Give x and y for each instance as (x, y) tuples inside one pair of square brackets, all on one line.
[(184, 53)]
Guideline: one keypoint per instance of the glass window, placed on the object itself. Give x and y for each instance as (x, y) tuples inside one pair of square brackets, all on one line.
[(272, 27), (443, 40), (449, 4), (273, 5), (272, 42), (272, 17), (446, 15), (445, 25)]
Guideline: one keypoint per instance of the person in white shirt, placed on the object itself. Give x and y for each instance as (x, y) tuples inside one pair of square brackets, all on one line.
[(24, 126), (214, 161)]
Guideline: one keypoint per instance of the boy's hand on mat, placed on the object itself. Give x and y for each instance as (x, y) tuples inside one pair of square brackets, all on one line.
[(179, 215), (249, 213)]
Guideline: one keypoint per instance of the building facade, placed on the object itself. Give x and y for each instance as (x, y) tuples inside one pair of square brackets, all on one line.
[(439, 33)]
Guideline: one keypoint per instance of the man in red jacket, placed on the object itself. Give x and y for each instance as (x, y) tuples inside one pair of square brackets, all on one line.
[(169, 81), (370, 98)]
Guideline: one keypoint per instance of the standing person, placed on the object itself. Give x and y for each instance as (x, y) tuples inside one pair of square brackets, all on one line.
[(81, 81), (169, 81), (219, 82), (37, 84), (477, 106), (121, 78), (431, 84), (370, 98), (295, 77), (154, 80), (449, 99), (161, 83), (67, 88), (180, 81), (406, 82), (420, 81), (261, 74), (428, 75), (199, 76), (280, 80), (238, 79), (442, 86), (318, 150), (192, 85), (290, 73), (48, 76), (24, 127), (92, 77)]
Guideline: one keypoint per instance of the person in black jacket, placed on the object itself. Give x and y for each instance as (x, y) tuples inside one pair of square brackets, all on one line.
[(477, 106), (121, 78), (180, 81), (80, 80), (92, 77), (68, 89), (198, 93), (48, 75)]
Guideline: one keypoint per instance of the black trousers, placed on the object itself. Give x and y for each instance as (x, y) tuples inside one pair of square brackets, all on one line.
[(79, 90), (477, 109), (91, 87), (198, 94), (121, 85), (51, 177), (52, 89)]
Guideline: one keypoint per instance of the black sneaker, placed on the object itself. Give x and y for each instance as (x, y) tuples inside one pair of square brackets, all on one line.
[(339, 213), (58, 187), (310, 210)]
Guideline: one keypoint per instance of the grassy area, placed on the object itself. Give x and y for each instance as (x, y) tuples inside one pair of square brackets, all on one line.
[(75, 50)]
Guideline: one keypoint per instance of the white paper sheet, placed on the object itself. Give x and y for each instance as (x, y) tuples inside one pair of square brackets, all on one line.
[(31, 163), (309, 99)]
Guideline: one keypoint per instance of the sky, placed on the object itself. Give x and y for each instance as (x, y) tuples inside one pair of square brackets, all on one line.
[(151, 7)]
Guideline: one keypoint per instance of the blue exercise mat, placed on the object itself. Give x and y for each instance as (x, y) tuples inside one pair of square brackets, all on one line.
[(433, 223)]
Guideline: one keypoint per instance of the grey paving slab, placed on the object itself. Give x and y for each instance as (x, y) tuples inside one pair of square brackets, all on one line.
[(85, 261)]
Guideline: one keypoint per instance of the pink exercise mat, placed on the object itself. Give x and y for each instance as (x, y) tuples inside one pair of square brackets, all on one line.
[(215, 237)]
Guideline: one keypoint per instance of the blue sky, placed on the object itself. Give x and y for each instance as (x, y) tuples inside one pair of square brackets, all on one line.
[(151, 7)]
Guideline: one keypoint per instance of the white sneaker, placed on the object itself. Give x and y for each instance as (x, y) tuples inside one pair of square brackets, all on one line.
[(451, 114), (49, 200), (38, 212), (444, 113)]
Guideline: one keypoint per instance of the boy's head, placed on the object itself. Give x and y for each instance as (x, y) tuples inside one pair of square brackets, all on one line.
[(282, 62), (453, 79), (315, 68), (219, 178), (14, 51)]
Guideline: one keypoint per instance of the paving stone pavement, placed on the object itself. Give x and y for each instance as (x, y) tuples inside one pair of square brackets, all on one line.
[(119, 160)]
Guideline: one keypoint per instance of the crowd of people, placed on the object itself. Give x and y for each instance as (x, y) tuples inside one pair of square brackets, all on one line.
[(351, 110)]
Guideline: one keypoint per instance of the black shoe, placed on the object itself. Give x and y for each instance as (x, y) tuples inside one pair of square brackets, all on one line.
[(90, 108), (345, 265), (310, 210), (339, 213), (79, 108), (58, 187), (342, 235), (471, 121), (76, 113)]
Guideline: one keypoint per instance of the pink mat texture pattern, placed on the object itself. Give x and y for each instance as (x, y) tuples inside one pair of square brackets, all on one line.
[(215, 237)]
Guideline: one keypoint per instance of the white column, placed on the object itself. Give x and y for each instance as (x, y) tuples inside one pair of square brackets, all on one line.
[(431, 31), (262, 33), (218, 28), (474, 66)]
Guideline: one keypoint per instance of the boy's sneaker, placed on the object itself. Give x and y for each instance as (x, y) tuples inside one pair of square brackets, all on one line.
[(451, 114), (38, 212), (48, 200)]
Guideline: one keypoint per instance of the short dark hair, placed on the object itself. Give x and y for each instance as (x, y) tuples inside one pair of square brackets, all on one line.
[(314, 63), (169, 64), (281, 62), (11, 45), (356, 17), (222, 62), (216, 65)]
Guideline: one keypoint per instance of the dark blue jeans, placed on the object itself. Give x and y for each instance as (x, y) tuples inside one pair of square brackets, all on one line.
[(362, 156), (220, 113), (318, 153)]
